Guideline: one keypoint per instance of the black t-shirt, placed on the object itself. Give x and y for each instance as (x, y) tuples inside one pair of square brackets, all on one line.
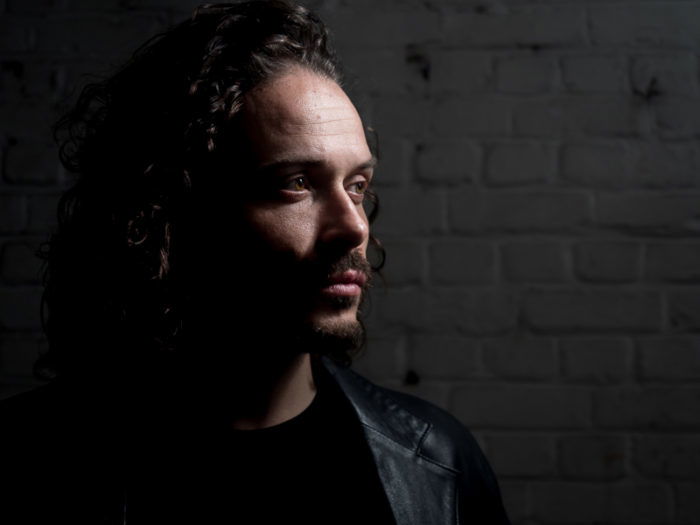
[(315, 468)]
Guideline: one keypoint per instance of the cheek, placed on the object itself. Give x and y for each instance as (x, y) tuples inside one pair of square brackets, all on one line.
[(283, 229)]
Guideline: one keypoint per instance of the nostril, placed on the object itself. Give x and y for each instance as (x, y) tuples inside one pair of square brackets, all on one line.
[(346, 226)]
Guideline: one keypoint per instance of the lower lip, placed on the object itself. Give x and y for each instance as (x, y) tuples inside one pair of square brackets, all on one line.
[(345, 289)]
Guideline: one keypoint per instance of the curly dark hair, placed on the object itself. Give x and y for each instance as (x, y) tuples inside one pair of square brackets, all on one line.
[(137, 142)]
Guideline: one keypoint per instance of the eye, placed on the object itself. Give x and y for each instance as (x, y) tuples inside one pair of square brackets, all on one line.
[(298, 183), (359, 186)]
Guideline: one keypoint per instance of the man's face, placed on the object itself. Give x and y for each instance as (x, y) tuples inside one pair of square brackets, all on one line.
[(304, 227)]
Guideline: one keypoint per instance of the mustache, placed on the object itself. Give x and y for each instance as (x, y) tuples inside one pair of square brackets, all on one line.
[(351, 261)]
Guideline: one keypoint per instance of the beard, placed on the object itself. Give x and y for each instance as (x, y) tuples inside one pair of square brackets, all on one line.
[(266, 310), (296, 310)]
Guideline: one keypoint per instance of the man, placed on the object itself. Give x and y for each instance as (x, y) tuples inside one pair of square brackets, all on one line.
[(203, 292)]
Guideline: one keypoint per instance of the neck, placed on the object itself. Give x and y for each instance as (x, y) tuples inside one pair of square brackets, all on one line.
[(288, 392), (249, 390)]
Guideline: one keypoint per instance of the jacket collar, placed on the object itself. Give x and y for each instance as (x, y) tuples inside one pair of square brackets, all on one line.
[(378, 411), (419, 490)]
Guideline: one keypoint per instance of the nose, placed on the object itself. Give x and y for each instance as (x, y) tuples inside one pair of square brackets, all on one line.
[(343, 222)]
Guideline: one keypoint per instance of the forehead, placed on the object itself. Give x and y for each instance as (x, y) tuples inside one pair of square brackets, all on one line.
[(302, 114)]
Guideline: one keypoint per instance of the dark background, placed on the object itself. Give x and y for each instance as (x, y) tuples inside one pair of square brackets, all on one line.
[(541, 212)]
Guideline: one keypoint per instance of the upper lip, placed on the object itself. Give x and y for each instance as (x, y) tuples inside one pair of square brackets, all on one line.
[(348, 277)]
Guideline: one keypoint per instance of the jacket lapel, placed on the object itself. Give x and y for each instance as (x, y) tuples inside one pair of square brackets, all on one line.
[(419, 491)]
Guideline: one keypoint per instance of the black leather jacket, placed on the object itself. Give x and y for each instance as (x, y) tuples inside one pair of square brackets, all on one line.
[(432, 469), (60, 466)]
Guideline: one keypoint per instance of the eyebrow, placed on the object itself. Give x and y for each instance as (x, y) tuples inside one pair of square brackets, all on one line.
[(308, 163)]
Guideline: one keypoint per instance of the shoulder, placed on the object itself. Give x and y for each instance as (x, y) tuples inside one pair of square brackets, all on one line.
[(433, 432), (448, 443), (435, 436), (447, 440)]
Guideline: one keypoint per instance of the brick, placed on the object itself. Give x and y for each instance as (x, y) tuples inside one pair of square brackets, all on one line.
[(43, 82), (31, 163), (593, 457), (521, 358), (16, 34), (459, 262), (461, 71), (544, 211), (665, 166), (521, 455), (18, 354), (396, 27), (27, 119), (43, 212), (443, 357), (11, 80), (404, 263), (394, 165), (674, 262), (383, 358), (396, 308), (687, 503), (528, 74), (684, 310), (649, 213), (19, 308), (465, 208), (384, 71), (540, 117), (95, 35), (608, 261), (519, 163), (19, 263), (677, 117), (13, 213), (670, 358), (651, 408), (534, 262), (391, 119), (595, 74), (516, 498), (596, 360), (481, 313), (522, 407), (534, 26), (637, 502), (448, 162), (410, 211), (598, 165), (31, 7), (476, 115), (573, 311), (676, 457), (651, 25), (536, 211), (667, 74), (606, 116), (183, 7)]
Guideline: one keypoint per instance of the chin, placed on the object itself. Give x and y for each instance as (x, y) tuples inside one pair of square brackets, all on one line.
[(339, 335), (335, 322)]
